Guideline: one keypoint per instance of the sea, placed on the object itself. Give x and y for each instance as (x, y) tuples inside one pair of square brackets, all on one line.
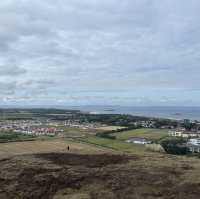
[(178, 113)]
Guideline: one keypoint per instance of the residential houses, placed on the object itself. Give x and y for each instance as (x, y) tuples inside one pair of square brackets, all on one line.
[(184, 134)]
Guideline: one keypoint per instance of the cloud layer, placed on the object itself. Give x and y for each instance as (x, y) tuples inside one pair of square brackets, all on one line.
[(141, 52)]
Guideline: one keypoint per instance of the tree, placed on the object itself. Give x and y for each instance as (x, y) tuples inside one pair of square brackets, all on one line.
[(175, 146)]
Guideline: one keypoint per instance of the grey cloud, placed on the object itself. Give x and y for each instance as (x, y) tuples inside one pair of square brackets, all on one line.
[(7, 88), (6, 70), (52, 47), (35, 88), (153, 69)]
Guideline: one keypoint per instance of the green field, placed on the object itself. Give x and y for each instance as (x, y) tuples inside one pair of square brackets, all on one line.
[(151, 134), (119, 143), (114, 144), (11, 137), (77, 132)]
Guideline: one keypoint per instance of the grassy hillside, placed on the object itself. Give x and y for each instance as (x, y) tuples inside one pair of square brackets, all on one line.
[(151, 134), (44, 146), (94, 168), (114, 144), (99, 176)]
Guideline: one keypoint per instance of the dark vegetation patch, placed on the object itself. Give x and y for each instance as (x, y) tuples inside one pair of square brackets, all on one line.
[(85, 160), (99, 177), (4, 159), (176, 146)]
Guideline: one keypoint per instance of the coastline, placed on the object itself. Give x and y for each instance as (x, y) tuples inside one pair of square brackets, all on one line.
[(191, 113)]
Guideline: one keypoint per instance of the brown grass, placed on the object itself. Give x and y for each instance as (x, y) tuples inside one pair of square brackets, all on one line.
[(88, 172), (97, 176), (20, 148)]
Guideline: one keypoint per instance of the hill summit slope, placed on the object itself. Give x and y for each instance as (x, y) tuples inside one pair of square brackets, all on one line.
[(96, 176)]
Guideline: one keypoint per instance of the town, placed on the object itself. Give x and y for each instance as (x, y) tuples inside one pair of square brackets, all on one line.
[(56, 125), (56, 142), (43, 127)]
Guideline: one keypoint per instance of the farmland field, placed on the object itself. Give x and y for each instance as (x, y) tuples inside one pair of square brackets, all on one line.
[(152, 134), (110, 128), (78, 132)]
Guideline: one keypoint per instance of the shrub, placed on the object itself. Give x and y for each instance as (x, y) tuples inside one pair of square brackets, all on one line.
[(105, 135), (175, 146)]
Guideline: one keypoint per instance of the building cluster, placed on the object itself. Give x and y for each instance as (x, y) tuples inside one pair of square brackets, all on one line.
[(82, 125), (31, 127), (44, 127), (185, 134), (194, 145), (50, 131), (193, 138), (145, 123)]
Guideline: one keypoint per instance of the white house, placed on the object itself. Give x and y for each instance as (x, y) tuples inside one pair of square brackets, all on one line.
[(176, 133), (194, 142), (137, 140)]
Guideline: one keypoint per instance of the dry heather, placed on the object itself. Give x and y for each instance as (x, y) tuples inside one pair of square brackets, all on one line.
[(100, 176)]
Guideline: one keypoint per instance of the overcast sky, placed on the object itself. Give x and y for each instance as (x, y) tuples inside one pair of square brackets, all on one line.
[(113, 52)]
